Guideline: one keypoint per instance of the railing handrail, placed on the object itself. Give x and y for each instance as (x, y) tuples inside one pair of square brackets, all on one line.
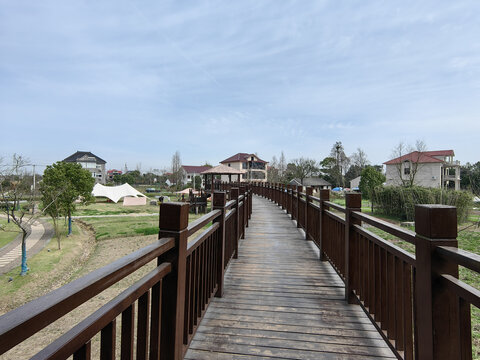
[(460, 257), (192, 245), (392, 229), (196, 225), (21, 323), (73, 339)]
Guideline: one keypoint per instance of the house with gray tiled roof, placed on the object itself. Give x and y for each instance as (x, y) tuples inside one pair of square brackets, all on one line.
[(90, 162)]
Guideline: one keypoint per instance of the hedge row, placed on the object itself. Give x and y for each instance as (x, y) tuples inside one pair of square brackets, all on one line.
[(400, 201)]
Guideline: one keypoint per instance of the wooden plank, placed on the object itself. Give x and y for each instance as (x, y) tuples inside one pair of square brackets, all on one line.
[(281, 302)]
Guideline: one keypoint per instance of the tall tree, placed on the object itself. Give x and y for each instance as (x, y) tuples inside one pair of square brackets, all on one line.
[(371, 178), (177, 173), (408, 168), (470, 177), (282, 167), (62, 185), (273, 174), (328, 168), (341, 163), (302, 167)]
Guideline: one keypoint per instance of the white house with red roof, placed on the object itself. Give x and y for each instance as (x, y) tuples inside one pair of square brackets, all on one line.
[(255, 168), (434, 169)]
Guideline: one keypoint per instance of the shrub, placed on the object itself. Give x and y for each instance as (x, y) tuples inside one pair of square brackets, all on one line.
[(400, 201)]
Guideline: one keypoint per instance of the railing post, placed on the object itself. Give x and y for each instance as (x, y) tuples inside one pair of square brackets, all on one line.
[(290, 199), (299, 190), (309, 192), (173, 222), (247, 204), (353, 202), (324, 196), (218, 203), (436, 309), (234, 193)]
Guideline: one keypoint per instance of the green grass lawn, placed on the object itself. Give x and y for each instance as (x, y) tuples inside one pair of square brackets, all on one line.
[(124, 226), (104, 208), (8, 232)]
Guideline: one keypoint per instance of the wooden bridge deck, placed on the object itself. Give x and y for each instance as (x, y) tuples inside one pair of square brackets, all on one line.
[(281, 302)]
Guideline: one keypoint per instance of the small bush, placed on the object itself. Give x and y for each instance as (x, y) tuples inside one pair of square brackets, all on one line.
[(400, 201), (147, 230)]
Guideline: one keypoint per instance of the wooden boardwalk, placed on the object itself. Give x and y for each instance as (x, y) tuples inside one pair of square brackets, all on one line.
[(281, 302)]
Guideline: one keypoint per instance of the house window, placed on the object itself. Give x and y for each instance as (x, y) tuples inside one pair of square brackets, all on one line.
[(228, 164), (244, 165), (406, 168)]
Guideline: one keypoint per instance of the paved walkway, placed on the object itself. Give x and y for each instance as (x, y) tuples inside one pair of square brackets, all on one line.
[(281, 302), (11, 254)]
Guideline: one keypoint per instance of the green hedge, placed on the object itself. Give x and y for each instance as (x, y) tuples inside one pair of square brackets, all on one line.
[(400, 201)]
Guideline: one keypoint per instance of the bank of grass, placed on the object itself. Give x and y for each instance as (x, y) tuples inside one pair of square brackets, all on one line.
[(8, 232), (106, 208), (126, 226), (49, 269)]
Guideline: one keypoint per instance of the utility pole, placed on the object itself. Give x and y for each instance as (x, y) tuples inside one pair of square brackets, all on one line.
[(33, 202)]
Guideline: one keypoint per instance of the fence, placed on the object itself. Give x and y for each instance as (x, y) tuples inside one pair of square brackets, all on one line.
[(170, 301), (416, 302)]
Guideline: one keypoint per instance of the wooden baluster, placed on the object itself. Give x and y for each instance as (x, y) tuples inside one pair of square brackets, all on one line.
[(127, 337), (353, 202), (309, 192), (299, 190), (235, 193), (244, 211), (437, 310), (173, 223), (324, 196), (219, 200)]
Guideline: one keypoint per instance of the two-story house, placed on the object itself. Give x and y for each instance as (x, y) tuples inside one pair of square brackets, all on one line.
[(256, 168), (90, 162), (434, 169)]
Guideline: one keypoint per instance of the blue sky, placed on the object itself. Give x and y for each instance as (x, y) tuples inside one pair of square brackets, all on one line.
[(134, 81)]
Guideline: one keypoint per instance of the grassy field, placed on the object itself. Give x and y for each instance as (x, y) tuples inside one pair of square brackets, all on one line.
[(104, 208), (125, 226), (49, 269), (8, 232)]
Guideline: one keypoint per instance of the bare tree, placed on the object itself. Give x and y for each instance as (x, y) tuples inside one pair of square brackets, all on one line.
[(17, 200), (408, 161), (177, 174), (282, 167), (273, 173), (359, 159), (303, 167)]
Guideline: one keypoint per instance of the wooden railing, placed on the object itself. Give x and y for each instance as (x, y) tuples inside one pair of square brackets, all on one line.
[(416, 302), (170, 301)]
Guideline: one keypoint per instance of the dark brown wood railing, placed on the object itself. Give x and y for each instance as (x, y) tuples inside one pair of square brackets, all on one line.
[(416, 302), (169, 302)]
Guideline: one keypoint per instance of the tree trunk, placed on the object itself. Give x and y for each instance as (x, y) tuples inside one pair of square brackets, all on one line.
[(69, 223), (24, 266)]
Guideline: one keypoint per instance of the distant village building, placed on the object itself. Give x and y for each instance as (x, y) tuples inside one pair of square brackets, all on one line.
[(316, 182), (355, 183), (90, 162), (435, 169), (255, 168), (189, 173), (111, 174)]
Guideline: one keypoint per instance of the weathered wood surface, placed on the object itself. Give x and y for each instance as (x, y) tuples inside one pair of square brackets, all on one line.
[(281, 302)]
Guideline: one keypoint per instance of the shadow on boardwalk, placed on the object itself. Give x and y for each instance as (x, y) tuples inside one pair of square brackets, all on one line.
[(280, 301)]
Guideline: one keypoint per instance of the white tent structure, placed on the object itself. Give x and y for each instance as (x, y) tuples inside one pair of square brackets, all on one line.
[(115, 193)]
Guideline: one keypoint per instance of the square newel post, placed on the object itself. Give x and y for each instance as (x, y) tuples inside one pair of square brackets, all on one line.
[(324, 196), (436, 309), (299, 190), (218, 203), (173, 222), (289, 199), (234, 194), (353, 202), (309, 192)]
